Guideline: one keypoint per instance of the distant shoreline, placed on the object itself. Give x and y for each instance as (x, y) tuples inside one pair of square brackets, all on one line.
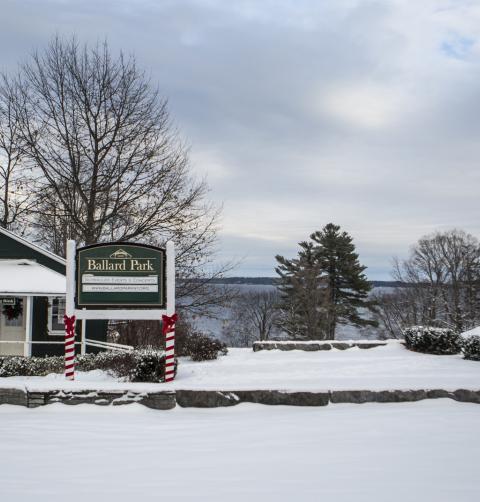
[(272, 281)]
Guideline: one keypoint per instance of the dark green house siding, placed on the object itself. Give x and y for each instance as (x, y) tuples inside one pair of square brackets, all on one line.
[(96, 330), (14, 250)]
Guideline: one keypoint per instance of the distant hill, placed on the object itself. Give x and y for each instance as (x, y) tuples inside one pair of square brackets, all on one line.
[(272, 281)]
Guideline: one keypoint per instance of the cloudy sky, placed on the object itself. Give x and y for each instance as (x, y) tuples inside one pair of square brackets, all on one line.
[(360, 112)]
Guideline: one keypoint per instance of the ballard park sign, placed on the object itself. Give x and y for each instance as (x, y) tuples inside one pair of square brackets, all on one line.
[(120, 281), (120, 275)]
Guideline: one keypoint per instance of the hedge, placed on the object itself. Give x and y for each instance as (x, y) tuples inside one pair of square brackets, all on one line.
[(201, 347), (146, 365), (471, 347), (430, 340)]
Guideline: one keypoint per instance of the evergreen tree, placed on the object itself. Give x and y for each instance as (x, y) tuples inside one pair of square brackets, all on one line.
[(323, 287), (347, 285), (302, 294)]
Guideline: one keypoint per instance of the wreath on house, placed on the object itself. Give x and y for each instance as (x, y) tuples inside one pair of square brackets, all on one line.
[(12, 312)]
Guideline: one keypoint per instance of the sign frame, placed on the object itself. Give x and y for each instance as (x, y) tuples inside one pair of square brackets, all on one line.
[(116, 312), (161, 284)]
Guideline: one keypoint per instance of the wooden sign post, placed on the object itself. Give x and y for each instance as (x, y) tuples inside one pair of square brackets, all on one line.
[(120, 281)]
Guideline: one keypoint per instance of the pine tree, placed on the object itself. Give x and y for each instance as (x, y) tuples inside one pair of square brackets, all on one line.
[(347, 285), (303, 294), (323, 287)]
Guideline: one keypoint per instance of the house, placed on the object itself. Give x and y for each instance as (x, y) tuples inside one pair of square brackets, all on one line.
[(32, 301)]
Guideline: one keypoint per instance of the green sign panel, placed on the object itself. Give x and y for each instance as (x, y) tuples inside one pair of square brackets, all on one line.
[(120, 275)]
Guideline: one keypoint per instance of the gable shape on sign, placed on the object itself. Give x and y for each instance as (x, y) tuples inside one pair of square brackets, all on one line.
[(120, 253)]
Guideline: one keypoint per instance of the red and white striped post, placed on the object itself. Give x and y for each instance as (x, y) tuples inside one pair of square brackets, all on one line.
[(168, 330), (69, 317), (171, 317), (69, 322)]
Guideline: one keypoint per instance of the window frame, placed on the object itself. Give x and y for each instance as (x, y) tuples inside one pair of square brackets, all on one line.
[(51, 331)]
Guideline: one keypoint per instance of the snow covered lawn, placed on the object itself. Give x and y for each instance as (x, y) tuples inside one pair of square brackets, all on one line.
[(406, 452), (381, 368)]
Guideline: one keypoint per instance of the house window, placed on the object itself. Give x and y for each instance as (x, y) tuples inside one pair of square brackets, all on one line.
[(57, 311)]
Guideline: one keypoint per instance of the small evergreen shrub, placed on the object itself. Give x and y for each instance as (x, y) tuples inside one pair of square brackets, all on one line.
[(471, 347), (201, 347), (30, 366), (430, 340), (146, 365)]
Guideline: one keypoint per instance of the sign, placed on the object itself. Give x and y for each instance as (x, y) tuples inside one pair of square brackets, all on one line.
[(120, 275), (8, 301)]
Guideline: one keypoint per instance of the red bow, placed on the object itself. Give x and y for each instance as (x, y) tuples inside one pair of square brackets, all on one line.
[(168, 323), (69, 324)]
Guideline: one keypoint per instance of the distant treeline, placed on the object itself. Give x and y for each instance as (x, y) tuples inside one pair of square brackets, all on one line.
[(272, 281)]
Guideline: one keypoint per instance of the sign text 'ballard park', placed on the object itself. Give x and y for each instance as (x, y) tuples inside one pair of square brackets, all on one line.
[(119, 275)]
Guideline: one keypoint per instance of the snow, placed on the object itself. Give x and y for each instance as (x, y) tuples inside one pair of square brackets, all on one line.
[(19, 277), (471, 332), (401, 452), (382, 368)]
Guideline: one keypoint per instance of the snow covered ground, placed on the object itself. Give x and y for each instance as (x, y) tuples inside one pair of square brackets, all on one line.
[(405, 452), (381, 368)]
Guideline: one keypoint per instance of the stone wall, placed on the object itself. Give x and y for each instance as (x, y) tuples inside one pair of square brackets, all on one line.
[(166, 400), (314, 346)]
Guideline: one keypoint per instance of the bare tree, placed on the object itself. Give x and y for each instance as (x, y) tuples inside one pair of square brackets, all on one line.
[(254, 316), (442, 276), (15, 193), (113, 167), (104, 142)]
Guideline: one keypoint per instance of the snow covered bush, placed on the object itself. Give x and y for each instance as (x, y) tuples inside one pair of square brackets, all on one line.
[(471, 347), (30, 366), (145, 365), (201, 347), (432, 340)]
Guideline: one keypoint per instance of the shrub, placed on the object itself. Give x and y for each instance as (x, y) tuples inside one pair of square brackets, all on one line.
[(432, 340), (30, 366), (201, 347), (471, 347), (145, 365), (192, 343)]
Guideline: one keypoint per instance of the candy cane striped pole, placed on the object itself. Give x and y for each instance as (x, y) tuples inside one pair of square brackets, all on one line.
[(169, 334), (69, 322)]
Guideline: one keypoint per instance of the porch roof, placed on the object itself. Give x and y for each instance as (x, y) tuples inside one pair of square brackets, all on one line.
[(29, 278)]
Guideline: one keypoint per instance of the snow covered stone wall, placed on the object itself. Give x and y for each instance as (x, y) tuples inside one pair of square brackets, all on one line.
[(314, 345), (164, 400), (167, 400)]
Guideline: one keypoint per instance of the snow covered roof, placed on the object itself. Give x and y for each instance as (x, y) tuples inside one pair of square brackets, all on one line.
[(27, 277), (472, 332)]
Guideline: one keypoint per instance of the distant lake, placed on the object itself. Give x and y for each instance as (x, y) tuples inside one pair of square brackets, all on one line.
[(213, 327)]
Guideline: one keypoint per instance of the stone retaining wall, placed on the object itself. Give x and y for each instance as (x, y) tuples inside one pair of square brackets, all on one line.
[(166, 400), (313, 346)]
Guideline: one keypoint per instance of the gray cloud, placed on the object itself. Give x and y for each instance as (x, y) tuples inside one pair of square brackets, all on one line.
[(360, 112)]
